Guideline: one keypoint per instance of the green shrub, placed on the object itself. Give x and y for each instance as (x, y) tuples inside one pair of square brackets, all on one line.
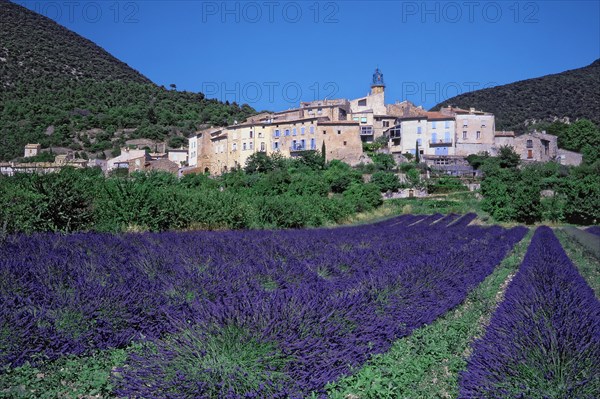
[(363, 197), (386, 181)]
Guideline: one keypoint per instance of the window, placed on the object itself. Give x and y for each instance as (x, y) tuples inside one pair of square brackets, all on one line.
[(356, 118), (465, 123), (251, 133), (433, 125), (363, 119), (294, 132), (324, 131), (339, 132), (464, 135), (362, 103), (344, 143), (251, 145), (244, 146), (302, 129), (303, 144), (529, 143), (366, 130), (319, 111), (447, 124), (478, 135), (262, 146), (386, 123), (287, 132), (277, 133), (295, 145), (313, 144), (276, 145), (312, 130), (418, 129), (234, 147), (420, 142)]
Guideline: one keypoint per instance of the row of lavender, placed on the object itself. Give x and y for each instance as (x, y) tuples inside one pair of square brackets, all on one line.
[(543, 341), (238, 314)]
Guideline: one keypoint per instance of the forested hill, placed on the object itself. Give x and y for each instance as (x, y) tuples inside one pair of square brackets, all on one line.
[(573, 94), (60, 89)]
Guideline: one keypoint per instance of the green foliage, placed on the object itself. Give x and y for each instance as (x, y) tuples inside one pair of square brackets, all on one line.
[(476, 160), (290, 193), (178, 141), (517, 104), (578, 134), (508, 157), (68, 377), (383, 161), (41, 157), (582, 204), (413, 179), (446, 184), (57, 202), (39, 91), (340, 176), (260, 162), (230, 359), (417, 154), (386, 181), (377, 144), (363, 197)]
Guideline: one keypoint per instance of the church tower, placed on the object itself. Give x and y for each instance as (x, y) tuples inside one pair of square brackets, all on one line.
[(377, 86)]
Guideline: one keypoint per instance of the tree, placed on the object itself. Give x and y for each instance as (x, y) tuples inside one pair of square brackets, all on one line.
[(385, 181), (324, 152), (173, 86), (579, 134), (477, 160), (508, 157), (417, 155), (383, 161)]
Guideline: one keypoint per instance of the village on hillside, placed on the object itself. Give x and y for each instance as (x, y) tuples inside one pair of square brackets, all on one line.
[(339, 127)]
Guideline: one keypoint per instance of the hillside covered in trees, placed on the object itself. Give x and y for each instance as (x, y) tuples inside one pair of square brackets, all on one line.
[(573, 94), (60, 89)]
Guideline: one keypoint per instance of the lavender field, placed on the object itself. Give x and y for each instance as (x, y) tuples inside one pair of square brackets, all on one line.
[(238, 314), (544, 339)]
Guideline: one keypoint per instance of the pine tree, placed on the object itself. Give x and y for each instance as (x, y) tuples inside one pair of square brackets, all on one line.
[(417, 156)]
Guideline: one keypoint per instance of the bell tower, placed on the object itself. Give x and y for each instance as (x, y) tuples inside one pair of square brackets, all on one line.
[(377, 85)]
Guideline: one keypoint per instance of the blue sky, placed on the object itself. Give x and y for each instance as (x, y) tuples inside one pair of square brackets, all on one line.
[(273, 54)]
